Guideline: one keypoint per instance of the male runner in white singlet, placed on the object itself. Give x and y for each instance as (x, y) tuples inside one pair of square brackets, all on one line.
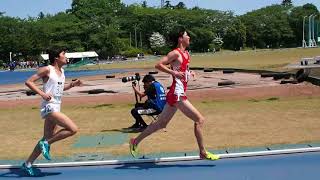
[(53, 86)]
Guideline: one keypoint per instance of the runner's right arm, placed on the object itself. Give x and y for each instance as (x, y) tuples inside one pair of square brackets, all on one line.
[(42, 73), (162, 65)]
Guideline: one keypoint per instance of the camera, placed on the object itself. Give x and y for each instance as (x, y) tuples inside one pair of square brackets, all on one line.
[(136, 78), (131, 78)]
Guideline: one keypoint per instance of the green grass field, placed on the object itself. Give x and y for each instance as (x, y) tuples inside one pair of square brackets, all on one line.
[(260, 59), (229, 124)]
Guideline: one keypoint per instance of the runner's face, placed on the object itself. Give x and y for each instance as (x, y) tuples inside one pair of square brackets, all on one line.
[(62, 58), (186, 39)]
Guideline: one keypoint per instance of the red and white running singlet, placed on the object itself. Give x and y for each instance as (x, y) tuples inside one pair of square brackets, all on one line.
[(179, 86)]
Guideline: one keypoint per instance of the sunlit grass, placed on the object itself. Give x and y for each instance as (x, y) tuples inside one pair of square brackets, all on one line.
[(260, 59), (242, 123)]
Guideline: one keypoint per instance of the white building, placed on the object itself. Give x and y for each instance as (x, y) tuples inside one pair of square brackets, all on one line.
[(75, 57)]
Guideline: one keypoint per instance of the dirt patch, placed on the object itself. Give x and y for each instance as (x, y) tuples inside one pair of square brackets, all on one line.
[(193, 95), (203, 87)]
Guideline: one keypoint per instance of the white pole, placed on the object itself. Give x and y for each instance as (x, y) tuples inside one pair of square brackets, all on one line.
[(317, 34), (313, 32), (310, 40), (313, 40), (10, 56), (304, 44)]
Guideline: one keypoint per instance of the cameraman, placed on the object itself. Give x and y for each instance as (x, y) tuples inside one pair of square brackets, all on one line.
[(156, 99)]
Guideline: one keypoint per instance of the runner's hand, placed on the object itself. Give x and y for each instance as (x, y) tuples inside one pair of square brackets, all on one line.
[(77, 82), (179, 75), (193, 74), (46, 97)]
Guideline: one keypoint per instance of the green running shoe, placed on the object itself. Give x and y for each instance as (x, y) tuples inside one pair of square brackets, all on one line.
[(28, 170), (133, 147), (45, 149)]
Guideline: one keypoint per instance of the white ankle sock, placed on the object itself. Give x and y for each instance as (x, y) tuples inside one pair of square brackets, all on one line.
[(28, 164)]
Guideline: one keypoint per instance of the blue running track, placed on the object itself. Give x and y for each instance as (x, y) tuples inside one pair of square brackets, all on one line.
[(286, 166)]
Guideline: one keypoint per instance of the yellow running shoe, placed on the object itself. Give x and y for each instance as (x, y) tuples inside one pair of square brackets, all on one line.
[(133, 147), (209, 156)]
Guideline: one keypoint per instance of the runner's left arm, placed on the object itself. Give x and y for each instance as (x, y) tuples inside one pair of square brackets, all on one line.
[(77, 82)]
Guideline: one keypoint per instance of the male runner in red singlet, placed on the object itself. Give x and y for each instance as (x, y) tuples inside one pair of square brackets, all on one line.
[(179, 60)]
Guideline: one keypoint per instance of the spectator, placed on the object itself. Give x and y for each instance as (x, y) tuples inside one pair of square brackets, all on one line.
[(156, 100)]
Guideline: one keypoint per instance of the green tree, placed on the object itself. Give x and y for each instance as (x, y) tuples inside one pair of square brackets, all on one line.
[(235, 37), (99, 24), (144, 4), (180, 5), (167, 5), (201, 38), (41, 15), (286, 3), (310, 7), (268, 27), (110, 27)]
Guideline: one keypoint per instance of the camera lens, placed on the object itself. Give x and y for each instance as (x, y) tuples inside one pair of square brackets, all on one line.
[(124, 79), (131, 78)]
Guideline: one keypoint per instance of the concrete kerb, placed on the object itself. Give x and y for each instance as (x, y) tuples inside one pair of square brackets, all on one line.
[(167, 159)]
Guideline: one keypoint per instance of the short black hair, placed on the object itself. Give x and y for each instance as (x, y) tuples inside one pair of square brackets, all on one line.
[(54, 53), (175, 35), (148, 78)]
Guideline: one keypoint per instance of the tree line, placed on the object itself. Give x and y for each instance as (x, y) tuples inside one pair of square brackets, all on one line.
[(110, 27)]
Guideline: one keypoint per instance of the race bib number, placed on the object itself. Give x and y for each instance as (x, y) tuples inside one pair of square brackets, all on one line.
[(48, 109), (58, 91)]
